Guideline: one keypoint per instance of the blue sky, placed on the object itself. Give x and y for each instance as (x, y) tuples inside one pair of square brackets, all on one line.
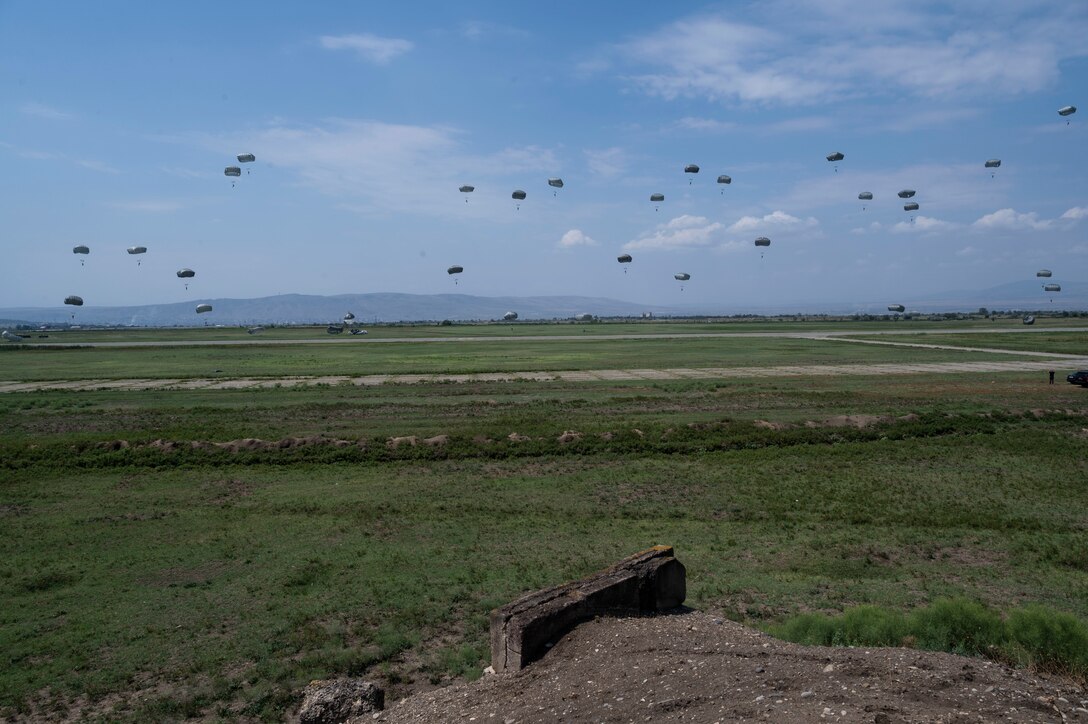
[(117, 119)]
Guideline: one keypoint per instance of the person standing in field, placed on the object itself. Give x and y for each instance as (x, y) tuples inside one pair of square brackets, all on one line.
[(1051, 376)]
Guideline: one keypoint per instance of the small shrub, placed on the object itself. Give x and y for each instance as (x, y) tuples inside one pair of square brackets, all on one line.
[(957, 625)]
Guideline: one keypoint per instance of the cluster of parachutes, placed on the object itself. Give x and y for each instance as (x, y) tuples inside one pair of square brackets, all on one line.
[(234, 172)]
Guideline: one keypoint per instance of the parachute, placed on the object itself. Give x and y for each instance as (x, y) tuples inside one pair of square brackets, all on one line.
[(233, 172), (692, 169), (510, 316), (993, 163), (74, 300), (246, 158), (519, 196), (201, 308), (358, 331), (724, 180), (907, 194), (1044, 273), (466, 189), (681, 277), (333, 329), (762, 241), (455, 269), (1066, 111), (1029, 319), (835, 158), (254, 330), (657, 199), (898, 308), (11, 336), (912, 206), (624, 258), (186, 274), (865, 196), (137, 250), (555, 183), (81, 249), (349, 316), (1052, 287)]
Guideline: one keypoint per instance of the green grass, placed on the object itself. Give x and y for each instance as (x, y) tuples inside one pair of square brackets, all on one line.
[(1074, 343), (204, 582), (366, 358), (1032, 635)]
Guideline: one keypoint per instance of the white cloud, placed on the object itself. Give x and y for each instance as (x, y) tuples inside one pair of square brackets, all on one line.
[(40, 110), (682, 232), (709, 125), (1010, 219), (775, 219), (923, 224), (368, 46), (874, 226), (607, 162), (575, 237), (967, 251), (799, 53), (385, 167), (1076, 213)]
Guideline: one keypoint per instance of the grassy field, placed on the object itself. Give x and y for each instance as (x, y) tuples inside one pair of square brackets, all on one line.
[(150, 581), (363, 358), (1056, 342)]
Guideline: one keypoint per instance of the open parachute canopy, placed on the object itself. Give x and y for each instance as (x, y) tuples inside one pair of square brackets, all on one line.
[(657, 197), (907, 194), (691, 168), (993, 163), (681, 277), (202, 308), (232, 171), (1052, 287), (518, 195), (763, 241), (74, 300), (912, 206), (1067, 110), (186, 273), (723, 179), (1029, 319), (510, 316), (455, 269), (836, 156), (624, 258), (1044, 273), (246, 158), (81, 249), (555, 183), (466, 189), (896, 308), (137, 250), (865, 196)]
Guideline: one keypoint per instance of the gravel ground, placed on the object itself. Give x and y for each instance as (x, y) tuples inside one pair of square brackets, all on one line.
[(696, 667)]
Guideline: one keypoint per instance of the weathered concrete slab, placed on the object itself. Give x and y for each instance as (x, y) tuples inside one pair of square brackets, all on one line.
[(647, 582)]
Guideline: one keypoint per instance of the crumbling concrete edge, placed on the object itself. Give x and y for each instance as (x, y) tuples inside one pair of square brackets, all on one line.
[(649, 581)]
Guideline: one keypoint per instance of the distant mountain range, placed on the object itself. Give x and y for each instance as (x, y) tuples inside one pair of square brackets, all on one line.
[(392, 307)]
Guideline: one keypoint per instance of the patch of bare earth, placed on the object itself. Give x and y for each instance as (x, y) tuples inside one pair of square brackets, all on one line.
[(695, 667)]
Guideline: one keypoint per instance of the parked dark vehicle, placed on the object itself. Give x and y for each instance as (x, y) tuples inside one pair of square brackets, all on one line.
[(1080, 377)]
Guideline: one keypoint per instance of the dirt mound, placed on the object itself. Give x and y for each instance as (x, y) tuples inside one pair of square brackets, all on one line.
[(697, 667)]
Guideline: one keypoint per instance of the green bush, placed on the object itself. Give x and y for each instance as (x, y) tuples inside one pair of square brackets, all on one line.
[(1048, 639), (957, 625)]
